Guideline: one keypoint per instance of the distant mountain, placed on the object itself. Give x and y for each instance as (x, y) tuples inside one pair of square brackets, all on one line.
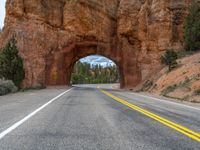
[(98, 60)]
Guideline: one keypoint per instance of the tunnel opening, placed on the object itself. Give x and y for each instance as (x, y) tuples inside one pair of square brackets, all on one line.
[(60, 63), (95, 69)]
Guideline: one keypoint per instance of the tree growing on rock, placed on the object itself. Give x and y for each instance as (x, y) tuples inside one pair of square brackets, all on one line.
[(11, 64), (169, 59), (192, 27)]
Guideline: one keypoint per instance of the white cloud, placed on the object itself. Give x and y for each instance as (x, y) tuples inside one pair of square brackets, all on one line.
[(2, 12), (98, 60)]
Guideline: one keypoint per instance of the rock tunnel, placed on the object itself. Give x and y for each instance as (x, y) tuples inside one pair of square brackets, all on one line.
[(53, 34), (60, 65)]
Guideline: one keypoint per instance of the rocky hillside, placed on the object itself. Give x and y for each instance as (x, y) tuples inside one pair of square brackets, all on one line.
[(181, 83)]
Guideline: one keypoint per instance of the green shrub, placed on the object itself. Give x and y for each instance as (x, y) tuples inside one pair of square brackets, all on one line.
[(182, 54), (186, 83), (192, 27), (147, 85), (197, 92), (169, 89), (169, 59), (11, 64), (7, 86)]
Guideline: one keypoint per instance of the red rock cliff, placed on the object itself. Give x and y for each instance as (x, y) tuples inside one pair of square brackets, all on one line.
[(53, 34)]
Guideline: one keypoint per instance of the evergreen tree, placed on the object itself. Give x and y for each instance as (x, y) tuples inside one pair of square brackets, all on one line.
[(169, 58), (192, 27), (11, 64), (85, 73)]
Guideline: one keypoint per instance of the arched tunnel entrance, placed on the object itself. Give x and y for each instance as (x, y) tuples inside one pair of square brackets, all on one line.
[(60, 63), (95, 69), (53, 35)]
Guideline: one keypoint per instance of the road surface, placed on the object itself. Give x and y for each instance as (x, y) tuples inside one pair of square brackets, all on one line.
[(88, 118)]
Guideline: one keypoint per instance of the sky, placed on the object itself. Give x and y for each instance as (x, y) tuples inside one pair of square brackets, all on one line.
[(95, 59), (2, 12), (98, 60)]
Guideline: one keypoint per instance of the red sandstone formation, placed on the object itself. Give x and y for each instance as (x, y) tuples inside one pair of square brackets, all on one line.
[(53, 34)]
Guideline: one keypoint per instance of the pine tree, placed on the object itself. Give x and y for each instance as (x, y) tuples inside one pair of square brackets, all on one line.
[(11, 64), (169, 58), (86, 73), (192, 27)]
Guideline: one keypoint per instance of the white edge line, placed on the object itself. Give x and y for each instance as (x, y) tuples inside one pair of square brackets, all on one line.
[(162, 100), (17, 124)]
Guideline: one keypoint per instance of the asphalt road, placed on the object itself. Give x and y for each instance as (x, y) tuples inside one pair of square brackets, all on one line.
[(85, 118)]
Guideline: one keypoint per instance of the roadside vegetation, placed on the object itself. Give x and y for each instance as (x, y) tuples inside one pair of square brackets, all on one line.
[(11, 68), (170, 59), (192, 27), (197, 92), (7, 86), (85, 73)]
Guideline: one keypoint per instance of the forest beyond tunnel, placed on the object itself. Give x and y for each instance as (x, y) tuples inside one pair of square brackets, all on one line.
[(95, 69)]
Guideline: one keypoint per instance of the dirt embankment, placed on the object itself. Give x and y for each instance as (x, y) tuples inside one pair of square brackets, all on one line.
[(181, 83)]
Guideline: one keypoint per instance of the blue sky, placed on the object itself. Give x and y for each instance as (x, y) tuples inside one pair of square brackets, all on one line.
[(95, 59), (2, 12)]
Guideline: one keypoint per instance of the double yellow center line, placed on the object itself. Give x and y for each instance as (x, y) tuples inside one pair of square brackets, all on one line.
[(192, 134)]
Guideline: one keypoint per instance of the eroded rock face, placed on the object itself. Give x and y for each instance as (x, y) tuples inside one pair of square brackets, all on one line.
[(53, 34)]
